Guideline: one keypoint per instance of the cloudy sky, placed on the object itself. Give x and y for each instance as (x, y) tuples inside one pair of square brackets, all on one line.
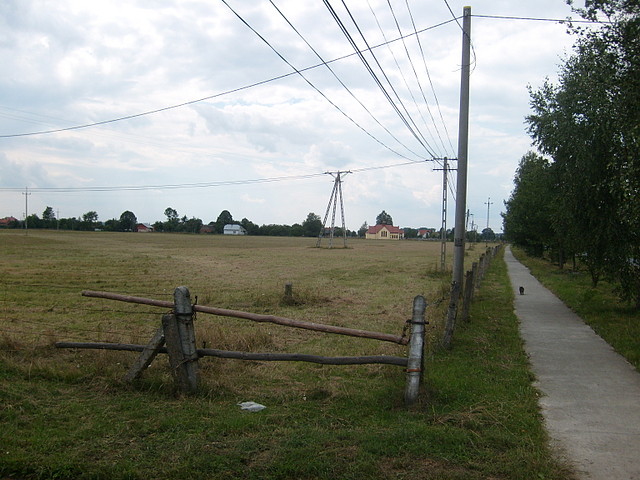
[(231, 106)]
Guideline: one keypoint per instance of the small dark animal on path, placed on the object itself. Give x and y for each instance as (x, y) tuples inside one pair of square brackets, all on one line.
[(521, 290)]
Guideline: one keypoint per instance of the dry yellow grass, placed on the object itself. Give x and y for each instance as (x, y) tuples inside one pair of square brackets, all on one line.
[(369, 286)]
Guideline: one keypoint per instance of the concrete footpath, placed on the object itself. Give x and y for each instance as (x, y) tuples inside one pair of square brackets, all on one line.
[(591, 395)]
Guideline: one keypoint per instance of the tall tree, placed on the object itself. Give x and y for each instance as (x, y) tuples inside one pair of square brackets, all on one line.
[(312, 225), (128, 222), (588, 124), (528, 216), (173, 223), (225, 218), (48, 218), (384, 218), (363, 229), (89, 220), (48, 214)]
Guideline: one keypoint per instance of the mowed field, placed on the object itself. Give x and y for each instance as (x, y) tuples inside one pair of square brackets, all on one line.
[(369, 285), (68, 413)]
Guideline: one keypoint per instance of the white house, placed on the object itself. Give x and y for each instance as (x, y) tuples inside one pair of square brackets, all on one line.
[(234, 230)]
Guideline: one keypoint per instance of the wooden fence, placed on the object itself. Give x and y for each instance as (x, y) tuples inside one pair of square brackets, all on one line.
[(176, 337), (472, 280)]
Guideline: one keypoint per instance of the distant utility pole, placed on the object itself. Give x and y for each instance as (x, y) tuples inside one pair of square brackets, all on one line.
[(488, 203), (473, 228), (333, 201), (26, 194), (463, 149), (443, 228)]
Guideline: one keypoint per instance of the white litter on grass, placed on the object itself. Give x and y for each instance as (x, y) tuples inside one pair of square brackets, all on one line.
[(251, 406)]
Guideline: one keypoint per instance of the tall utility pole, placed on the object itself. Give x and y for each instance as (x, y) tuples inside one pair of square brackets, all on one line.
[(463, 149), (488, 203), (26, 210), (335, 194), (443, 229)]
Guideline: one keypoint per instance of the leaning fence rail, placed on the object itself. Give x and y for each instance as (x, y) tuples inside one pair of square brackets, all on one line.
[(256, 317), (176, 337)]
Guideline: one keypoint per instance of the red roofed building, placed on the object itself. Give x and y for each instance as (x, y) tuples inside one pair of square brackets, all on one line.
[(7, 221), (385, 232)]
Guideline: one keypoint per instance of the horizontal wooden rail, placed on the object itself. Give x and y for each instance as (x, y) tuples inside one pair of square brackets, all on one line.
[(353, 332), (265, 357)]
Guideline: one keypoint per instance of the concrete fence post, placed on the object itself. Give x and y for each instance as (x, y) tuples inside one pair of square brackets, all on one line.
[(415, 363)]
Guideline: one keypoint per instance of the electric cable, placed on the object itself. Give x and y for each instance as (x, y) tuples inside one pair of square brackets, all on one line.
[(372, 73), (433, 90), (400, 70), (474, 61), (339, 79), (209, 97), (122, 188), (426, 144), (310, 83)]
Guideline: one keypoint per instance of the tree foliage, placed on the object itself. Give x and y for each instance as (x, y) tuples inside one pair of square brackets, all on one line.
[(527, 220), (128, 222), (312, 225), (384, 218), (225, 218), (588, 125)]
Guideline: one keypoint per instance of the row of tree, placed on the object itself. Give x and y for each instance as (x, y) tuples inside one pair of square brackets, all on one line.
[(579, 197), (128, 222), (310, 227)]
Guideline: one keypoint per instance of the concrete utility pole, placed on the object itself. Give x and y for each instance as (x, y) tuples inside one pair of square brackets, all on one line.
[(443, 228), (488, 203), (26, 210), (463, 149)]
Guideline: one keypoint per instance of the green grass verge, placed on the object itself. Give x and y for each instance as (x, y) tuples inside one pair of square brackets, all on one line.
[(618, 323), (67, 414)]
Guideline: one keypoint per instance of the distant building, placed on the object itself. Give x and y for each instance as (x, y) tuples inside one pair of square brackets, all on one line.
[(234, 230), (144, 227), (384, 232), (426, 232), (207, 229), (7, 221)]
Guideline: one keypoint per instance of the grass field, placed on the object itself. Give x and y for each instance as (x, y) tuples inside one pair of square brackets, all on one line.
[(68, 414)]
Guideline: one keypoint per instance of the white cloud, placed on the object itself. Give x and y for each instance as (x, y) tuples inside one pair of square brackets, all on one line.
[(77, 62)]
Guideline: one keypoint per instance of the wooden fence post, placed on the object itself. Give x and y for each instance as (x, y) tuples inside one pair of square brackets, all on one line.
[(467, 295), (474, 269), (451, 315), (181, 341), (415, 362), (481, 268), (288, 294), (146, 357)]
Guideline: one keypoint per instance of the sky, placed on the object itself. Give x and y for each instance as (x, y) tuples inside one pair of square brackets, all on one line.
[(231, 105)]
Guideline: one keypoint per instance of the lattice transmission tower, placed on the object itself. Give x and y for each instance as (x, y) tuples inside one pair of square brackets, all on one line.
[(336, 195)]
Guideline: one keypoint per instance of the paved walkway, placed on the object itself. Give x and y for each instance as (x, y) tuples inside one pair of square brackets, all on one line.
[(591, 395)]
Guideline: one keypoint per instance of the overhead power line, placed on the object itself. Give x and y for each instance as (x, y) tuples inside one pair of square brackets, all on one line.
[(426, 68), (216, 95), (406, 119), (400, 70), (129, 188), (335, 75), (533, 19), (334, 105)]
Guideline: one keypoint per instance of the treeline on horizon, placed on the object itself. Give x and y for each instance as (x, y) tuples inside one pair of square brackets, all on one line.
[(577, 199), (310, 227)]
